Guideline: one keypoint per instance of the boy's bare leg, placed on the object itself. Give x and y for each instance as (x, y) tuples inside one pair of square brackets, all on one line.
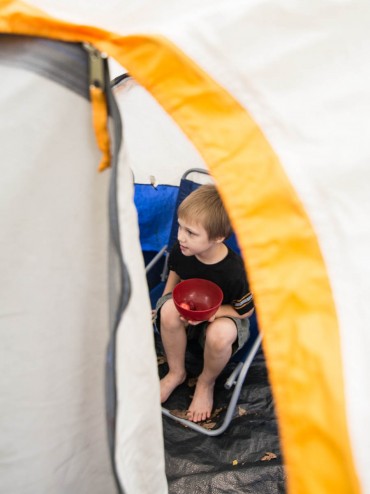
[(217, 352), (174, 343)]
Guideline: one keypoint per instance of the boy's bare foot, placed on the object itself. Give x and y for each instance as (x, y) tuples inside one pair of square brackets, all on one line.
[(201, 406), (169, 383)]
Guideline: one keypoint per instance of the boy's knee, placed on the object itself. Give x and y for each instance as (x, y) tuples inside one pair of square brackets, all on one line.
[(169, 313), (221, 334)]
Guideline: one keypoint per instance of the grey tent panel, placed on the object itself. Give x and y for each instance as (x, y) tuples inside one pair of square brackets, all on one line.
[(64, 63)]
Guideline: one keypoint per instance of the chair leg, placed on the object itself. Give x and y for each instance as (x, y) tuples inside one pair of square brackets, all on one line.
[(231, 380)]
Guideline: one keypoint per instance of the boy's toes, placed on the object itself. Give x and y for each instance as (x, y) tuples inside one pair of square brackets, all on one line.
[(197, 416)]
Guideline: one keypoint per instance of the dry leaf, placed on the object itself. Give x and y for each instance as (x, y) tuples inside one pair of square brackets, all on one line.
[(192, 381), (181, 414), (241, 411), (208, 425), (235, 462), (216, 413), (268, 456)]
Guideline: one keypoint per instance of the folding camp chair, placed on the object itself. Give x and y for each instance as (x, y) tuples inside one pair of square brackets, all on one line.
[(244, 357)]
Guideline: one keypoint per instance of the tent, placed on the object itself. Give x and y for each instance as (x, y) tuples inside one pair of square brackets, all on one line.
[(273, 98)]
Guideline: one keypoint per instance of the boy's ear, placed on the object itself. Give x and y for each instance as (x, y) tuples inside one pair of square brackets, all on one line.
[(219, 240)]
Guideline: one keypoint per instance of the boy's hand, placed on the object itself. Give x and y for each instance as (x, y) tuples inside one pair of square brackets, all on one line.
[(154, 313), (195, 323), (187, 321)]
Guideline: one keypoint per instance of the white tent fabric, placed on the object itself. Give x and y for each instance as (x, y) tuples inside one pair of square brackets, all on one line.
[(55, 307), (155, 148), (139, 451), (306, 84), (54, 303), (296, 79)]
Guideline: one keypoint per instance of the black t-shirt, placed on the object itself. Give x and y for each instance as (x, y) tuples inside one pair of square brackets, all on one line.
[(229, 274)]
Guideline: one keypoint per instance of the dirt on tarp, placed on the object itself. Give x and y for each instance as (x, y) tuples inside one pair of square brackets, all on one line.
[(246, 458)]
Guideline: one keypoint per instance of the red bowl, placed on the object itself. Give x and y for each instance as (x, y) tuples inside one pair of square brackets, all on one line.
[(202, 299)]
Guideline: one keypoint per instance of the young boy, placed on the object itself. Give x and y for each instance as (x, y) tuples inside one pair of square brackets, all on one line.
[(201, 253)]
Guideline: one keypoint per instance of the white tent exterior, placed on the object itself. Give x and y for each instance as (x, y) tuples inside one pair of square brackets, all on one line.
[(57, 296), (53, 297), (272, 97)]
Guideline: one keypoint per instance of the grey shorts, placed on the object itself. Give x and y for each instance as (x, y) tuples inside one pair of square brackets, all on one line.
[(198, 332)]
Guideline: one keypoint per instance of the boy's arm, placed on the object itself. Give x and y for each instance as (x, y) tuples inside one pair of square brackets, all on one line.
[(172, 280), (228, 310), (224, 311)]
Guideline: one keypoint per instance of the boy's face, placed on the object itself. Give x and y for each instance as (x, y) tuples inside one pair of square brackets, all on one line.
[(193, 238)]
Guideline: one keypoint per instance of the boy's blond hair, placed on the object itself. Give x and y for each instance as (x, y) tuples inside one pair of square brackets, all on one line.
[(204, 206)]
